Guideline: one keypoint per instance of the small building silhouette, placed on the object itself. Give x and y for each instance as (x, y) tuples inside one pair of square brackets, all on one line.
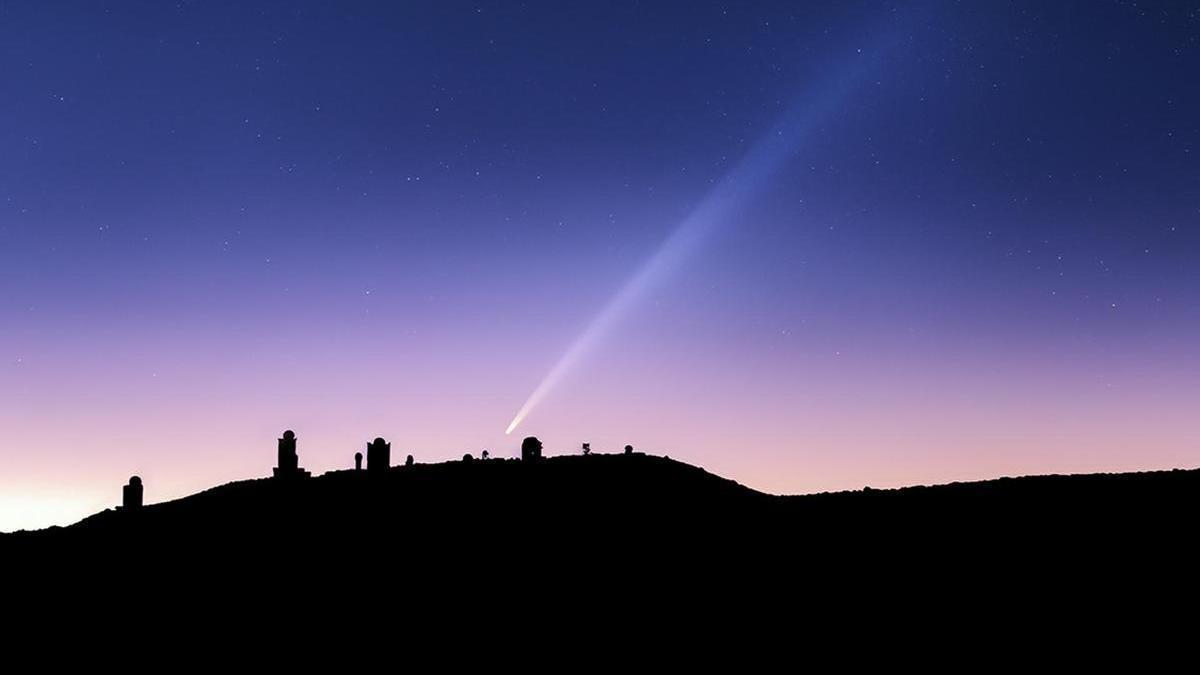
[(289, 461), (358, 461), (379, 456), (629, 449), (531, 449), (408, 461), (131, 494)]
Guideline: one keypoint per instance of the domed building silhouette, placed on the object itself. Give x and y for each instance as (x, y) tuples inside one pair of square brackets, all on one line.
[(379, 456), (531, 449), (289, 461), (131, 494)]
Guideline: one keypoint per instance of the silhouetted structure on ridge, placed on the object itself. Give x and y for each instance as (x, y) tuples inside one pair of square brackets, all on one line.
[(531, 449), (629, 449), (587, 448), (408, 461), (289, 461), (607, 509), (131, 494), (358, 461), (379, 455)]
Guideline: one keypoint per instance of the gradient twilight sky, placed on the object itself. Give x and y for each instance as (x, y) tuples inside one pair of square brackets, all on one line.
[(962, 239)]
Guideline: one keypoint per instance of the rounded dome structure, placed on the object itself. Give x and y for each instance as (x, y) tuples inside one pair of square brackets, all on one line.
[(379, 455), (531, 448)]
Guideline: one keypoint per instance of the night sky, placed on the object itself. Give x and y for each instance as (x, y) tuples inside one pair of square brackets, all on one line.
[(818, 247)]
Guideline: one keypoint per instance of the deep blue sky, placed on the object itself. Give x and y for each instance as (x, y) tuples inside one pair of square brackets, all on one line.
[(242, 216), (999, 127)]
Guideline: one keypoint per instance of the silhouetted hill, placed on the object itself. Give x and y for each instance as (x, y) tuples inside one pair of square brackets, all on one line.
[(426, 498), (624, 525)]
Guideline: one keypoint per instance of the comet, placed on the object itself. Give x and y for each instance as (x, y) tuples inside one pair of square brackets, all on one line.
[(737, 187)]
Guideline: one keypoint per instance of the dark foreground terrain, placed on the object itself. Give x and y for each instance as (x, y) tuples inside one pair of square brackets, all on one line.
[(619, 532), (572, 510)]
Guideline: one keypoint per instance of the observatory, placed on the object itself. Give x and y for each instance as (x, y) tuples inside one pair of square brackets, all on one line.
[(131, 494), (289, 461), (379, 456), (531, 449)]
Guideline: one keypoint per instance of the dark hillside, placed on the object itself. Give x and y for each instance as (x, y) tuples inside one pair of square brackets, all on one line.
[(605, 524)]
